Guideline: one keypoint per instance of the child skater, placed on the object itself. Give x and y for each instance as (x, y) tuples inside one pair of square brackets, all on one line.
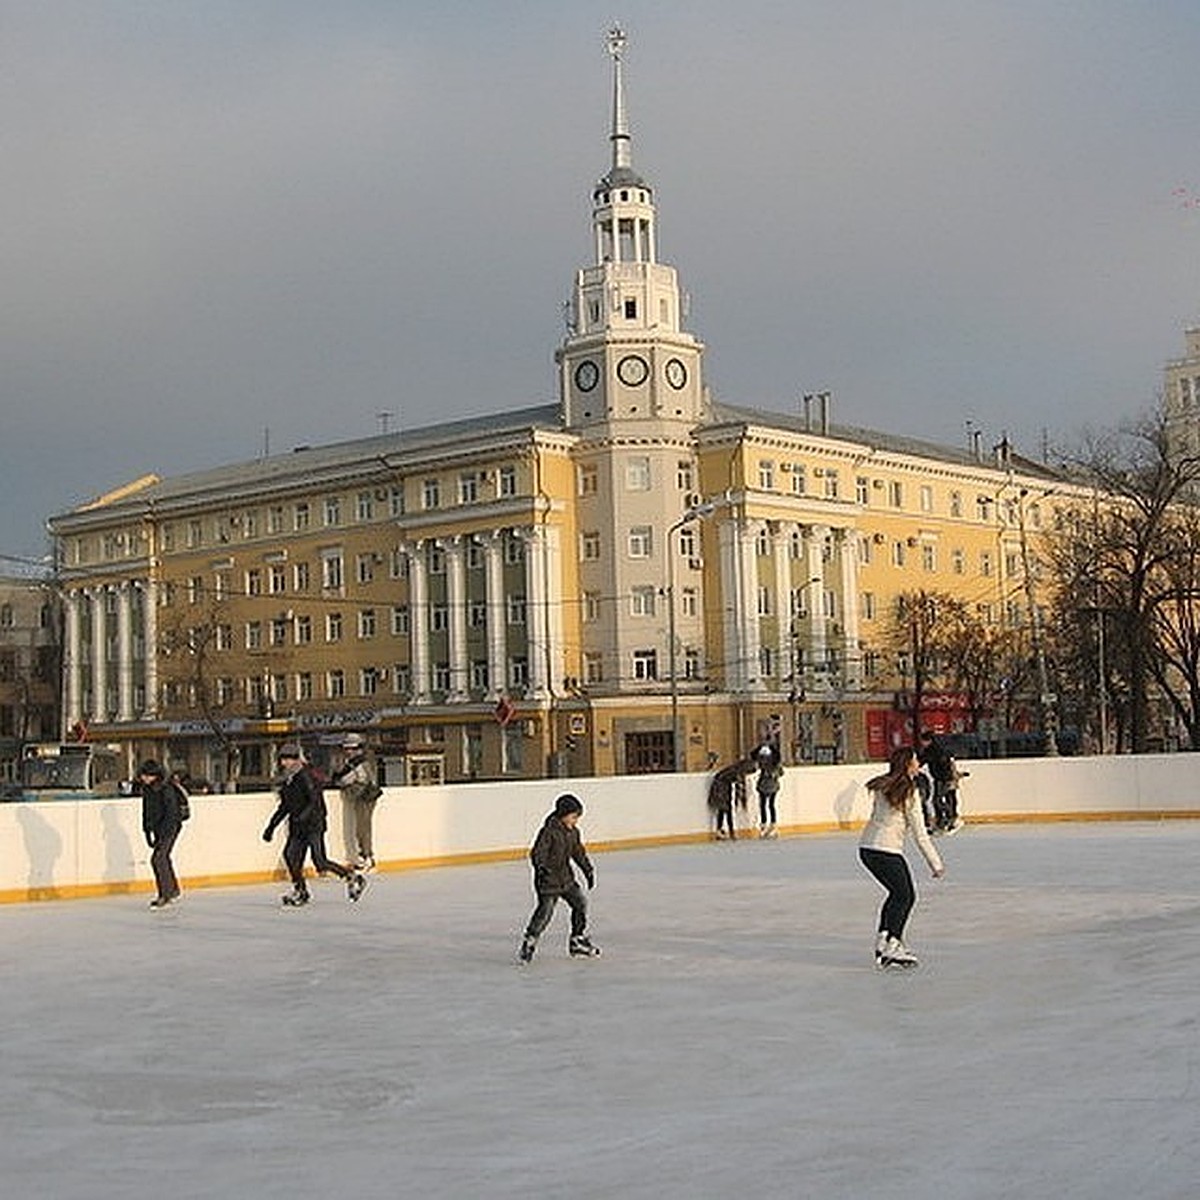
[(896, 811), (556, 846)]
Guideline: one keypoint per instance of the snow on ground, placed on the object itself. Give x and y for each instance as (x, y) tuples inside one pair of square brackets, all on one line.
[(735, 1038)]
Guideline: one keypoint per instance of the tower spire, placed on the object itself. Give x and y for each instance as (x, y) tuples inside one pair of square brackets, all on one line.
[(620, 122)]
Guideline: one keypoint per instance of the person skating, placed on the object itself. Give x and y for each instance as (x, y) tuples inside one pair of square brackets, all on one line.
[(558, 845), (162, 820), (938, 761), (770, 768), (360, 791), (728, 788), (301, 802), (895, 813)]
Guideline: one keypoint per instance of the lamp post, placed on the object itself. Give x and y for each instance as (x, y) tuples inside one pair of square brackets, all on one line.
[(1046, 699), (696, 513)]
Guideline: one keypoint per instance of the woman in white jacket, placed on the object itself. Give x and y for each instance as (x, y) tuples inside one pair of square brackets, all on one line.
[(896, 812)]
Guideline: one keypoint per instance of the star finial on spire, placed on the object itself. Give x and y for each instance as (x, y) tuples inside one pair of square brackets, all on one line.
[(616, 41)]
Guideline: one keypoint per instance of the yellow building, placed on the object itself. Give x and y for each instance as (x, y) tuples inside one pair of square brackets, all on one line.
[(636, 577)]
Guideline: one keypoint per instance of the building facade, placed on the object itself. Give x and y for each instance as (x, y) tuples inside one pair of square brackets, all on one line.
[(30, 668), (637, 577)]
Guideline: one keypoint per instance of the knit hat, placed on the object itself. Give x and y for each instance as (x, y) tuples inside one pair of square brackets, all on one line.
[(566, 803), (290, 750), (153, 768)]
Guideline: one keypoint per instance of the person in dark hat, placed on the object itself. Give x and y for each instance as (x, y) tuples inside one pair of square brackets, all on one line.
[(162, 819), (555, 848), (360, 793), (301, 802)]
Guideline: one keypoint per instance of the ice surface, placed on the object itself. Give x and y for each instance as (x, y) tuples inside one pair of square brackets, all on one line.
[(734, 1039)]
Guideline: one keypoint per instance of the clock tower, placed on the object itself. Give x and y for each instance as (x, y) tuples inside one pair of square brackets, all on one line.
[(625, 357)]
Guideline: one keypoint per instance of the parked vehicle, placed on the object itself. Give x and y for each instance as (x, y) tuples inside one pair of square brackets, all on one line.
[(83, 771)]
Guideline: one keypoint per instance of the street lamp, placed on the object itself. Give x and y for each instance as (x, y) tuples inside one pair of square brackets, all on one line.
[(696, 513), (1049, 717)]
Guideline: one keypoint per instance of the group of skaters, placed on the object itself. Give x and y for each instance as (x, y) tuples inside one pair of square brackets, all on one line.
[(897, 813), (727, 791), (165, 808)]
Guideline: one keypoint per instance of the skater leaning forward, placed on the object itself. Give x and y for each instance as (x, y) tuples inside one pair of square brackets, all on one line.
[(895, 813), (301, 802), (555, 848)]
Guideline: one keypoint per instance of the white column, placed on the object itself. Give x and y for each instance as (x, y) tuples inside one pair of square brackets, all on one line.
[(818, 638), (750, 580), (72, 666), (125, 652), (99, 656), (535, 610), (497, 617), (783, 595), (150, 632), (456, 600), (418, 612), (847, 542)]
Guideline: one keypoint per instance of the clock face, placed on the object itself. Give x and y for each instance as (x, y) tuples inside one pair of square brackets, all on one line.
[(632, 370), (676, 373), (587, 375)]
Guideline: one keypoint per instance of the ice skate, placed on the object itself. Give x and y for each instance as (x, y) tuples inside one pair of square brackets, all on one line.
[(770, 832), (954, 826), (581, 947), (528, 945), (897, 954), (880, 946), (296, 898), (355, 886)]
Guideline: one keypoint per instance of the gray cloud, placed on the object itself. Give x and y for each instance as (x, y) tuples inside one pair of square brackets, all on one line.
[(223, 219)]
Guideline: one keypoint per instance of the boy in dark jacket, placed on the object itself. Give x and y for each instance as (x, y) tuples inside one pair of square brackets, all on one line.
[(301, 802), (162, 819), (557, 845)]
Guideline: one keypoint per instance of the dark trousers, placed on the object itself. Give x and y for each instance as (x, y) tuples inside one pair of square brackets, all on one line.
[(945, 803), (160, 864), (766, 808), (724, 818), (892, 871), (302, 841), (545, 910)]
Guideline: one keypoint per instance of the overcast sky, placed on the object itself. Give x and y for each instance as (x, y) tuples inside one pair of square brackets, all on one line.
[(226, 217)]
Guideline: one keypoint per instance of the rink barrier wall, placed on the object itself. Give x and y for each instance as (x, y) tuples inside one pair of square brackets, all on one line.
[(73, 849)]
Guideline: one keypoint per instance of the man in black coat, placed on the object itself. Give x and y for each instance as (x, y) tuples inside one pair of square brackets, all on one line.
[(933, 755), (301, 802), (555, 848), (162, 819)]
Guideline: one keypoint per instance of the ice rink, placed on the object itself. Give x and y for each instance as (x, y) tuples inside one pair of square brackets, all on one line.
[(734, 1040)]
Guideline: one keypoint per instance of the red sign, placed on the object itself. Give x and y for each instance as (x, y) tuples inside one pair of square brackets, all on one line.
[(505, 710)]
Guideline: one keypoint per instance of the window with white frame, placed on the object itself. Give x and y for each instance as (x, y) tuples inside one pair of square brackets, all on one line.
[(866, 605), (518, 673), (507, 481), (365, 568), (300, 577), (435, 559), (400, 621), (926, 498), (365, 506), (431, 494), (366, 623), (515, 606), (332, 511), (224, 637), (275, 518), (985, 563), (862, 490), (591, 607), (645, 664), (333, 627), (479, 675), (439, 618), (642, 602), (277, 579), (766, 475), (335, 683), (896, 493), (593, 667), (303, 630), (468, 488), (958, 561), (278, 634), (764, 601), (956, 504), (685, 475), (799, 479), (224, 691), (641, 541), (254, 634), (396, 500), (831, 484), (304, 685), (689, 605), (766, 661), (402, 679), (514, 548), (762, 543), (301, 516), (691, 662), (589, 546), (368, 681), (589, 479), (928, 556), (254, 582), (332, 575), (898, 554), (637, 474), (477, 614)]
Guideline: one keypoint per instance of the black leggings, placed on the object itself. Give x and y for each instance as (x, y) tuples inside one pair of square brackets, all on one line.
[(892, 871), (302, 842), (766, 808)]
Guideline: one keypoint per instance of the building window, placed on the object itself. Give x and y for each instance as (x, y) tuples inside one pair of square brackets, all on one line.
[(866, 605), (637, 474), (764, 601), (831, 485), (514, 548), (799, 479), (507, 477), (396, 501), (518, 673), (691, 663), (898, 555), (589, 479), (332, 577), (985, 563), (645, 664), (687, 543), (333, 627), (303, 630), (224, 691), (862, 490), (593, 667), (642, 602), (333, 511), (335, 683), (956, 504), (516, 609), (439, 618), (926, 498), (591, 607), (365, 568), (195, 589), (766, 662), (368, 681), (958, 562), (435, 559), (468, 488), (766, 476), (896, 493), (279, 631), (301, 516), (402, 679), (254, 582), (300, 577), (688, 602), (366, 506), (477, 614), (431, 494), (253, 635), (195, 534), (762, 543), (279, 688), (589, 547), (304, 686), (400, 623), (220, 585), (928, 557), (275, 518), (366, 623), (641, 541), (277, 580), (474, 556), (685, 476), (398, 561), (224, 637)]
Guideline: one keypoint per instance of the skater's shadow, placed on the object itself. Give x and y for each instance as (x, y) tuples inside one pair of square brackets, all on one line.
[(844, 803), (43, 849)]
